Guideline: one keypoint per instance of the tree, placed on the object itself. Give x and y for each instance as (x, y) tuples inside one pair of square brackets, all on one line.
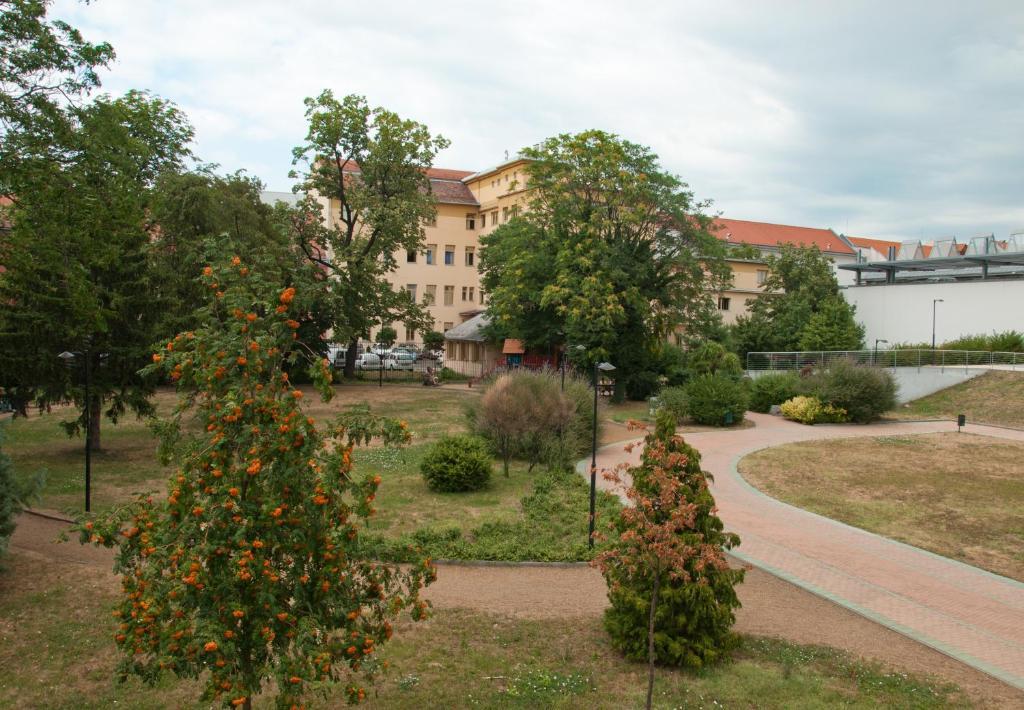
[(200, 214), (386, 336), (833, 327), (248, 572), (613, 255), (433, 340), (670, 585), (14, 497), (77, 255), (370, 165), (800, 284)]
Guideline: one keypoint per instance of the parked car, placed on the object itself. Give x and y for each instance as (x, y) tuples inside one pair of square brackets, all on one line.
[(337, 354), (368, 361), (399, 361)]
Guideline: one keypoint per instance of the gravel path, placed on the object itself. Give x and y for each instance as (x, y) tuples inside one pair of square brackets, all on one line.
[(970, 614)]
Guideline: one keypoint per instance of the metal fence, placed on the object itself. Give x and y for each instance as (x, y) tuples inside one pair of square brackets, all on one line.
[(964, 359)]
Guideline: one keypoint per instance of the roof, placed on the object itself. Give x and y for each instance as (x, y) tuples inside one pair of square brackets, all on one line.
[(765, 234), (471, 330), (445, 184), (879, 245), (496, 168), (513, 347)]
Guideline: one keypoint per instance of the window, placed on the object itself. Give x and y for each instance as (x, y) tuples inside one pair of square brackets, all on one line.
[(431, 251), (470, 299), (410, 334), (465, 290), (430, 297), (504, 214), (723, 303), (411, 289), (494, 217), (448, 326), (410, 256), (762, 276), (449, 296), (483, 220), (470, 255), (481, 297), (432, 222), (449, 254), (515, 210), (470, 221)]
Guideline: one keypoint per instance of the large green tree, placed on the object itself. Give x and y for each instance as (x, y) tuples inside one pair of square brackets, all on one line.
[(370, 164), (801, 308), (614, 254), (77, 275)]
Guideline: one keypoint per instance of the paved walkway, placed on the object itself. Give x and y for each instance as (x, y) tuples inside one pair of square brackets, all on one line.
[(972, 615)]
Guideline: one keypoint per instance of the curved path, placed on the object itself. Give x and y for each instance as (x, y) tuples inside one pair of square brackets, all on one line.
[(972, 615)]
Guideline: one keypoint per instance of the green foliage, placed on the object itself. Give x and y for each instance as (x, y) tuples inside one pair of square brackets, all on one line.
[(526, 415), (433, 340), (386, 336), (711, 399), (372, 165), (810, 410), (669, 557), (457, 463), (551, 529), (768, 390), (77, 274), (801, 300), (710, 358), (14, 497), (672, 365), (674, 400), (832, 327), (864, 393), (244, 574), (613, 254), (1010, 341)]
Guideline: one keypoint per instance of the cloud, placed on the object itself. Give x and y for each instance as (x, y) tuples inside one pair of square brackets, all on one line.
[(888, 119)]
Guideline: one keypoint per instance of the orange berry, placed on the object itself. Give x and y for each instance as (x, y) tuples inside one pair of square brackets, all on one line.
[(210, 646)]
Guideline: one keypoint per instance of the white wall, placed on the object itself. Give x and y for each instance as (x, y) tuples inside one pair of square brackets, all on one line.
[(902, 313)]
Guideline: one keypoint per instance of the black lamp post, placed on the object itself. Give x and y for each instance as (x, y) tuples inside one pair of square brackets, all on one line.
[(69, 358), (598, 367), (874, 356), (934, 301)]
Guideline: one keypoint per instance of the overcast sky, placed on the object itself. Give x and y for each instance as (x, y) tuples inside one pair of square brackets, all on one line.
[(888, 119)]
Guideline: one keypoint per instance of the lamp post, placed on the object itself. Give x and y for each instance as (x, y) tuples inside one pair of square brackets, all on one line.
[(598, 367), (69, 358), (874, 356), (934, 302)]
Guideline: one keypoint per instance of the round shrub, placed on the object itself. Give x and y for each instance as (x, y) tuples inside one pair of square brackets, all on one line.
[(810, 410), (457, 463), (712, 398), (769, 390), (673, 400), (864, 392)]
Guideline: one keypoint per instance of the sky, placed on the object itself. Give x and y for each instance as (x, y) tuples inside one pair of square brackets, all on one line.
[(897, 120)]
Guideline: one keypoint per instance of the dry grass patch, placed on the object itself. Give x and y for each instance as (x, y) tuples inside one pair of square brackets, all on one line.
[(958, 495), (993, 398)]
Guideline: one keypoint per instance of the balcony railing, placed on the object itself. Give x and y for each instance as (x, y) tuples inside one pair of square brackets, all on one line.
[(964, 359)]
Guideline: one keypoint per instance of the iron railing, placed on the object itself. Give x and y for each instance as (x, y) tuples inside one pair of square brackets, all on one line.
[(758, 361)]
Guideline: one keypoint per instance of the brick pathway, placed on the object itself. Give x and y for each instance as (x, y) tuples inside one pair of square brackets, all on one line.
[(972, 615)]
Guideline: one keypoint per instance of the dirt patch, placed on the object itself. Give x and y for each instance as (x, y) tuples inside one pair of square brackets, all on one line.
[(771, 606)]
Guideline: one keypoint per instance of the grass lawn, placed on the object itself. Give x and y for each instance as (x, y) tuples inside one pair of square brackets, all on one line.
[(55, 630), (534, 515), (993, 398), (959, 495)]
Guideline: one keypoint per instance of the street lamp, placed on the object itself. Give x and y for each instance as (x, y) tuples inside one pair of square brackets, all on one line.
[(69, 358), (598, 367), (934, 301), (874, 357)]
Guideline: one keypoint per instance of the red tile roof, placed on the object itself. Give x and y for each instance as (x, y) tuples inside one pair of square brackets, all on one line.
[(879, 245), (770, 235), (447, 174), (446, 184)]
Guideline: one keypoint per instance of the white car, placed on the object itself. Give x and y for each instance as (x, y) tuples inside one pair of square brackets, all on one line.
[(368, 361), (400, 361)]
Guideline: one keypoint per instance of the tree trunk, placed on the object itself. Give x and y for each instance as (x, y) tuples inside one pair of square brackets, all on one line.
[(94, 424), (650, 638), (350, 358)]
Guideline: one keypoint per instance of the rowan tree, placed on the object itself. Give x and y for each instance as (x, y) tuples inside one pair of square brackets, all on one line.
[(247, 572), (670, 585), (370, 165)]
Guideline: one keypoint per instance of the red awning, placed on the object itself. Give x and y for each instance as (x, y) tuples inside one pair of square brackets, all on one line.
[(513, 347)]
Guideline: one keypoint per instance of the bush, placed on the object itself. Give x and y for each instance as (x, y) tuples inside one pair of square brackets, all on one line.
[(673, 399), (457, 464), (526, 415), (769, 390), (1010, 341), (712, 358), (810, 410), (712, 399), (13, 497), (640, 385), (865, 393)]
